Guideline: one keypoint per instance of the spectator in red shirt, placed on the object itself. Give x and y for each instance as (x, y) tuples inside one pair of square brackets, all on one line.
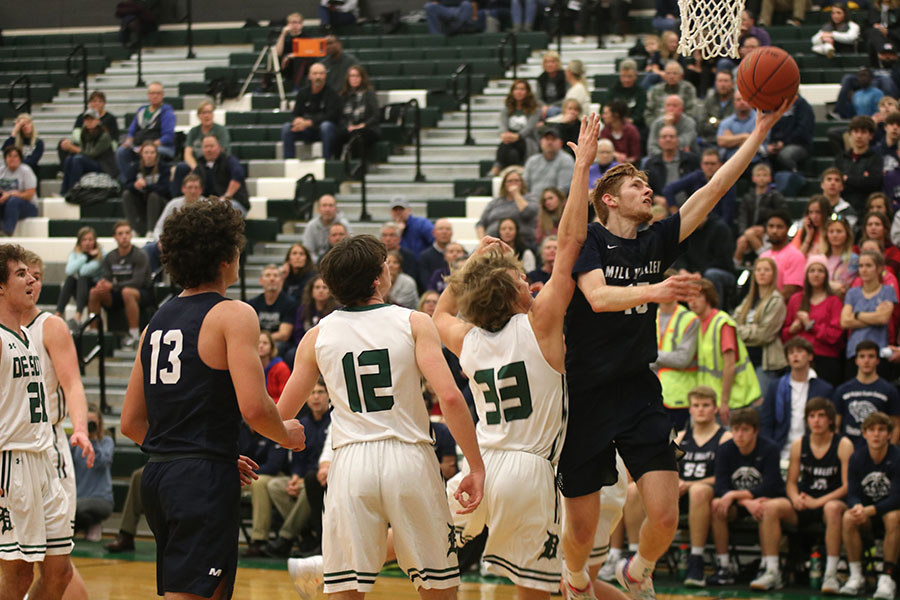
[(276, 370), (625, 137)]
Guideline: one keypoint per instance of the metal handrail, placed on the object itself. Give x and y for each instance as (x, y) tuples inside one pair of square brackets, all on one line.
[(559, 6), (417, 127), (242, 274), (25, 105), (513, 62), (98, 352), (464, 69), (304, 209), (82, 73), (357, 139), (189, 17), (140, 62)]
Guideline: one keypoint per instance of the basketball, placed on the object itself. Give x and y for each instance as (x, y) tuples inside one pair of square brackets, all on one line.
[(767, 76)]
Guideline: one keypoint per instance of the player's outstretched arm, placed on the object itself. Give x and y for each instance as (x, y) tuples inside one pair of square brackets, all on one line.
[(303, 378), (61, 349), (614, 298), (133, 423), (239, 326), (704, 200), (434, 367)]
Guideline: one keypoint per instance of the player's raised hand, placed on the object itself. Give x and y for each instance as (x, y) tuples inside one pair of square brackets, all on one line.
[(296, 439), (247, 470), (765, 120), (677, 288), (87, 448), (470, 492), (586, 148), (488, 242)]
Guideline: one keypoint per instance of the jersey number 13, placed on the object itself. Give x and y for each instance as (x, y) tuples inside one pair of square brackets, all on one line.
[(173, 339)]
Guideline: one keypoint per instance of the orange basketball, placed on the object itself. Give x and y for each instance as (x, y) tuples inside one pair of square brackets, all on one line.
[(767, 76)]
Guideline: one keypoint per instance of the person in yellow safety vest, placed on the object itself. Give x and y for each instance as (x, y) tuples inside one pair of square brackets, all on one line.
[(676, 362), (722, 360)]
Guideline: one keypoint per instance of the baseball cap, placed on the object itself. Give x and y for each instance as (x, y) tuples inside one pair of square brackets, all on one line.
[(92, 113), (548, 130), (399, 202)]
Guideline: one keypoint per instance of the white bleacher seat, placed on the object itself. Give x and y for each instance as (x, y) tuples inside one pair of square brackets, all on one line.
[(56, 249), (475, 205)]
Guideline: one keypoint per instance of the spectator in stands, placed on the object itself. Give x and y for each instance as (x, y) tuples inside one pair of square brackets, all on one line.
[(428, 302), (759, 320), (125, 282), (690, 183), (885, 78), (718, 104), (191, 191), (508, 231), (317, 111), (335, 14), (841, 260), (747, 478), (708, 251), (781, 415), (626, 89), (868, 308), (153, 122), (297, 269), (676, 361), (750, 28), (276, 310), (273, 461), (223, 175), (293, 68), (277, 371), (513, 201), (25, 137), (568, 123), (390, 237), (449, 17), (670, 164), (887, 147), (147, 190), (684, 125), (754, 209), (82, 269), (315, 234), (661, 50), (93, 153), (864, 394), (886, 106), (873, 498), (416, 233), (876, 228), (403, 287), (431, 258), (878, 202), (336, 233), (452, 253), (862, 167), (722, 360), (735, 128), (97, 102), (839, 34), (816, 490), (832, 185), (789, 144), (551, 83), (810, 238), (700, 441), (94, 484), (316, 303), (131, 514), (673, 84), (361, 115), (814, 315), (287, 492), (548, 168), (667, 15), (550, 212), (606, 160), (538, 277), (337, 63), (578, 88), (18, 187), (791, 263), (193, 145), (625, 137), (797, 8), (518, 127), (882, 27)]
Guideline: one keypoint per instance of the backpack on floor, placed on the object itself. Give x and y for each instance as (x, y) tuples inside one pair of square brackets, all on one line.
[(93, 188)]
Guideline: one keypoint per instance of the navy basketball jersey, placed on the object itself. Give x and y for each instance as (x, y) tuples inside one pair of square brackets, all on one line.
[(698, 462), (607, 346), (191, 408), (819, 476)]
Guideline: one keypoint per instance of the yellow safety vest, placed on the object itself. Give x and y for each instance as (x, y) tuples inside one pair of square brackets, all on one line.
[(710, 362), (676, 383)]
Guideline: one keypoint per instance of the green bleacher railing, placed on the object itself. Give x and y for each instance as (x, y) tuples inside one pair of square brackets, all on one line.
[(417, 128), (357, 140), (25, 105), (98, 352), (82, 73), (510, 40), (464, 69)]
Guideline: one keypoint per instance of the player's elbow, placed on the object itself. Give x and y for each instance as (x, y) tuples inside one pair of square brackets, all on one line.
[(452, 400)]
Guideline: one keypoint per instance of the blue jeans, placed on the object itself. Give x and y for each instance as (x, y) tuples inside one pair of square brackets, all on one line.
[(73, 167), (14, 210), (127, 157), (326, 132), (335, 18), (152, 252), (518, 18), (447, 20), (664, 24)]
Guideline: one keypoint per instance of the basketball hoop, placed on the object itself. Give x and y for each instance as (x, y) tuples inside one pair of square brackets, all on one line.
[(710, 26)]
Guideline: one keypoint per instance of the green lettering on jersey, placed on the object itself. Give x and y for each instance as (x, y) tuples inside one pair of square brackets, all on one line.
[(518, 390), (37, 402), (369, 381)]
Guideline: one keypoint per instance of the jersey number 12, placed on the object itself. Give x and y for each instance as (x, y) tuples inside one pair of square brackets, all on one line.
[(368, 381), (172, 372)]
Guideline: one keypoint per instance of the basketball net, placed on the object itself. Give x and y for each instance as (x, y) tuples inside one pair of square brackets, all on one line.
[(710, 26)]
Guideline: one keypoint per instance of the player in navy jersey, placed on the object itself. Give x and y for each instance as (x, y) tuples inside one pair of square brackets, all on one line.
[(857, 398), (196, 374), (616, 400)]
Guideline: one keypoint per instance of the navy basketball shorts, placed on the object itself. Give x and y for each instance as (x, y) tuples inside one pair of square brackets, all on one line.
[(625, 415), (193, 508)]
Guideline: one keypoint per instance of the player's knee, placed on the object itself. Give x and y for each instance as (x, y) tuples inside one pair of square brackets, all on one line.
[(892, 520), (700, 493), (833, 510), (57, 573), (663, 517)]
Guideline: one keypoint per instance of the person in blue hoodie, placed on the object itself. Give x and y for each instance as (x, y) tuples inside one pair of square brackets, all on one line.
[(781, 418), (153, 122)]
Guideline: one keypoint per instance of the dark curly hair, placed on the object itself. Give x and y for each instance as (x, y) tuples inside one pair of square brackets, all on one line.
[(9, 252), (350, 268), (199, 237)]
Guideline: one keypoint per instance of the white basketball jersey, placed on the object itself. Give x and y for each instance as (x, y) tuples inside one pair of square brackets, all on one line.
[(521, 400), (367, 356), (23, 404), (56, 399)]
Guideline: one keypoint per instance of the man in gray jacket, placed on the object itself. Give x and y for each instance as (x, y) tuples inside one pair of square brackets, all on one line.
[(315, 235), (550, 167)]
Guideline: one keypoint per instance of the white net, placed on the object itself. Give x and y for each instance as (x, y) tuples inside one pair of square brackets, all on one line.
[(710, 26)]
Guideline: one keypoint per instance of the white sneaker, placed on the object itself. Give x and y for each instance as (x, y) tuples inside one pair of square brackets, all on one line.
[(638, 590), (308, 575), (886, 589), (831, 584), (608, 571), (768, 580), (854, 586)]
